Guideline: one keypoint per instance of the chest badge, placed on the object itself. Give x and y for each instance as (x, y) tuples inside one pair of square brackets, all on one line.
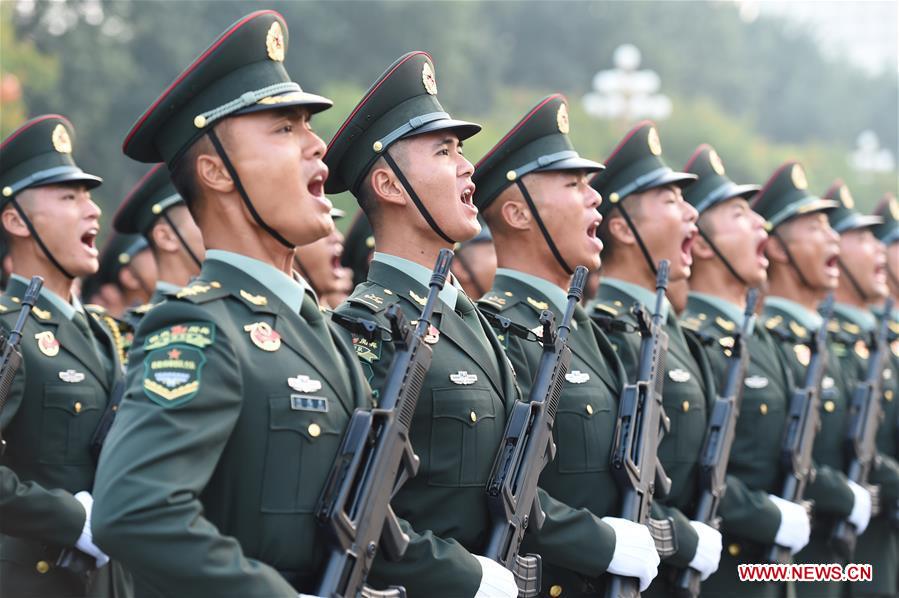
[(827, 383), (756, 382), (71, 376), (679, 375), (263, 336), (431, 336), (304, 384), (463, 378), (577, 376), (803, 354), (47, 343)]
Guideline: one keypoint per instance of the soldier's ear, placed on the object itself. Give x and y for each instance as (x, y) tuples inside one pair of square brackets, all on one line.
[(701, 249), (619, 231), (515, 213), (13, 225), (385, 186), (774, 249), (164, 238)]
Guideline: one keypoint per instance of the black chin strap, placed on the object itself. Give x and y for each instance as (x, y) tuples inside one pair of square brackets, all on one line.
[(37, 238), (243, 193), (790, 259), (721, 257), (852, 280), (184, 244), (415, 199), (539, 220), (640, 243)]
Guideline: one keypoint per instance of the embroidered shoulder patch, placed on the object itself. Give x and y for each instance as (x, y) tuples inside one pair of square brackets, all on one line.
[(172, 375), (366, 350), (196, 334)]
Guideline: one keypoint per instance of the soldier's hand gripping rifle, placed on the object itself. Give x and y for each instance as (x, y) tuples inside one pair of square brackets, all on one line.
[(526, 448), (641, 425), (719, 439), (12, 358), (375, 458), (865, 414), (803, 423)]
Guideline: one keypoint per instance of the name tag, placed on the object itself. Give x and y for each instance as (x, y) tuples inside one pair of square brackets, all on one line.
[(307, 403)]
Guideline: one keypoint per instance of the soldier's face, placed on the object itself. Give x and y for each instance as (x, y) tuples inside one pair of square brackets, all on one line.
[(320, 261), (816, 248), (567, 205), (667, 225), (739, 233), (67, 221), (441, 176), (279, 159), (865, 257)]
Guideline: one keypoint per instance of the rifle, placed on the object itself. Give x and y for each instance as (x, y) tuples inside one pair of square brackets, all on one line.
[(719, 439), (803, 423), (641, 425), (375, 458), (12, 357), (526, 448), (861, 435)]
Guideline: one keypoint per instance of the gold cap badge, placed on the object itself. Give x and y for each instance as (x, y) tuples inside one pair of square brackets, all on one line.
[(715, 162), (428, 78), (562, 119), (797, 175), (894, 208), (655, 144), (846, 197), (61, 140), (274, 42)]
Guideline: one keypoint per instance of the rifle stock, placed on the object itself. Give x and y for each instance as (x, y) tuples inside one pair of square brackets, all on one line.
[(375, 458)]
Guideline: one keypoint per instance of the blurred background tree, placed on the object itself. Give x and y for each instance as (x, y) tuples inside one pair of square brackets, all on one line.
[(761, 90)]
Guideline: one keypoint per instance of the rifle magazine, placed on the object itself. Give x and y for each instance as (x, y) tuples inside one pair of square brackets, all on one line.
[(662, 532)]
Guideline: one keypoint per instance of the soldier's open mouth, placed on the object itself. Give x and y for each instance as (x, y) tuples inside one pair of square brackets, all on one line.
[(686, 249), (760, 253), (467, 195), (316, 186), (88, 239)]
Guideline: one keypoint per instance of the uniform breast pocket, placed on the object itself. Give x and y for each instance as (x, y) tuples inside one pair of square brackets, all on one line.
[(584, 428), (686, 410), (70, 417), (762, 418), (465, 435), (300, 449)]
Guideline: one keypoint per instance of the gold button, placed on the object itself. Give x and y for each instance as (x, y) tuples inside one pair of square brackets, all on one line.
[(733, 549), (763, 408), (388, 292), (199, 121), (215, 284), (589, 409), (511, 175), (613, 197), (686, 406), (555, 591), (888, 395), (7, 191), (829, 406), (115, 408), (377, 146), (42, 567), (509, 294), (77, 407), (314, 430), (156, 209), (473, 416)]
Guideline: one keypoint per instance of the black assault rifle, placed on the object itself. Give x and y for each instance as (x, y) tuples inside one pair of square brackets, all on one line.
[(803, 423), (865, 413), (375, 458), (12, 358), (526, 448), (641, 425), (719, 439)]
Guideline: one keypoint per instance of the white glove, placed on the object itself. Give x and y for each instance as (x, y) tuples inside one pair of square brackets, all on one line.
[(795, 525), (85, 541), (708, 550), (635, 551), (496, 580), (861, 508)]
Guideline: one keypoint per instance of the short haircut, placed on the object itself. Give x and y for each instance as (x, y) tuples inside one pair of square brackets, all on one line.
[(633, 207)]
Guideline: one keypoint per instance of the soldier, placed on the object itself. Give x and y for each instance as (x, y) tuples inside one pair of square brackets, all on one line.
[(863, 282), (238, 392), (319, 264), (474, 266), (646, 220), (803, 253), (400, 154), (358, 248), (68, 371), (533, 190), (156, 212), (126, 277), (728, 260)]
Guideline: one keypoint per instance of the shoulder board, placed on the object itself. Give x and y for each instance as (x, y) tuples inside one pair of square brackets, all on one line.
[(725, 324), (374, 298), (691, 323), (200, 291), (143, 309), (9, 304), (537, 305), (499, 300), (93, 308), (605, 309)]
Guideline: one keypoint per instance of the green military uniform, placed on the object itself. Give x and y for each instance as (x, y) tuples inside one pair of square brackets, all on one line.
[(783, 197), (635, 166), (852, 332), (470, 388), (586, 416), (749, 519), (238, 391), (69, 369), (148, 202)]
